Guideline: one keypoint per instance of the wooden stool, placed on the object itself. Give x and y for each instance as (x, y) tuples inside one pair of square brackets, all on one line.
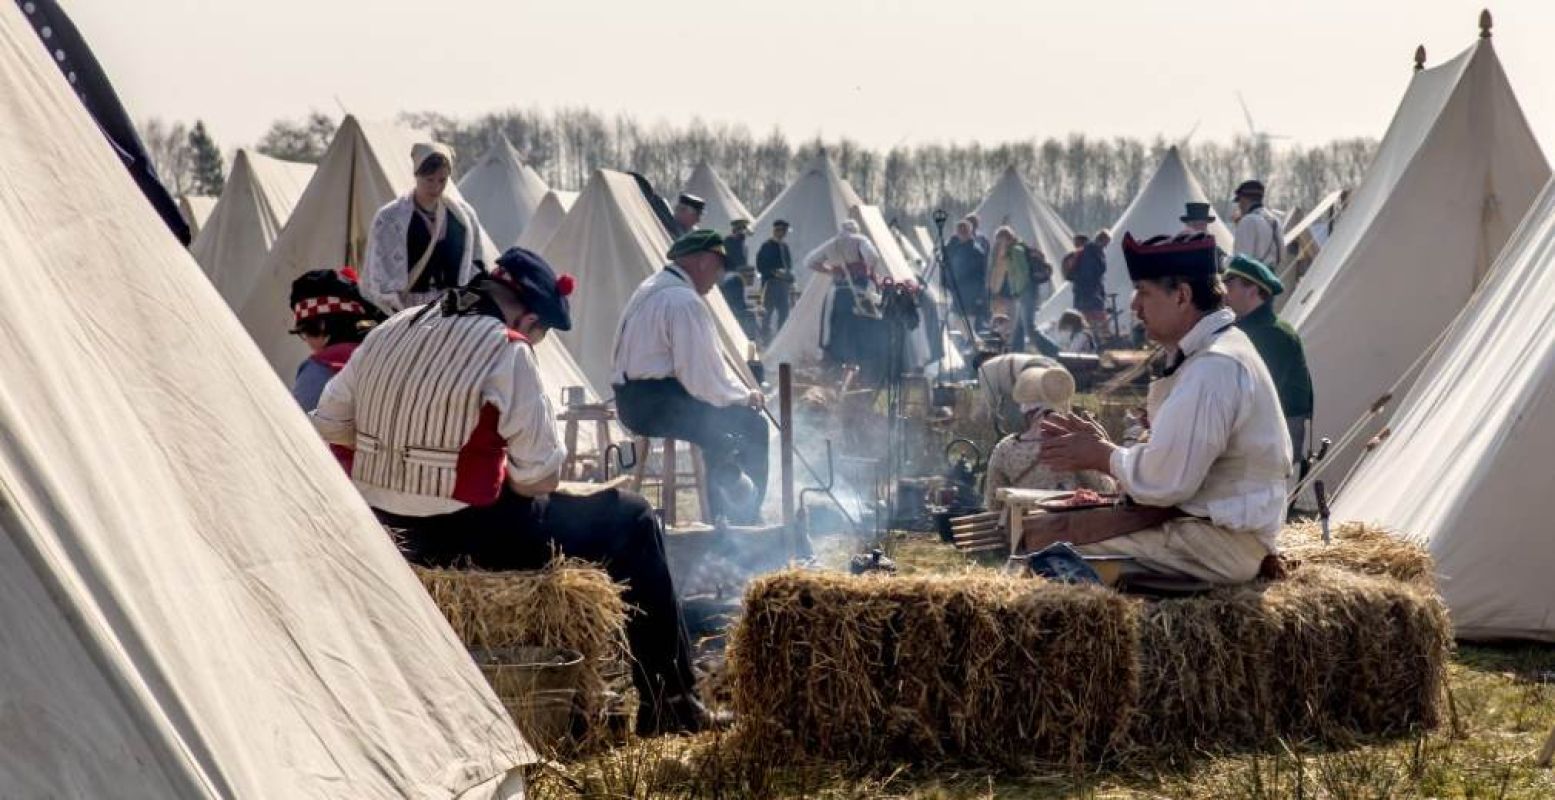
[(601, 415), (670, 479)]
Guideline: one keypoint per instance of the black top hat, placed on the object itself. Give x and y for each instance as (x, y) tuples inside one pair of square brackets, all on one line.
[(1198, 212)]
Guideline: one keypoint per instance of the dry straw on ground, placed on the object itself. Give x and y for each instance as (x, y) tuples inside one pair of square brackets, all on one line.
[(1363, 548), (569, 604), (983, 668)]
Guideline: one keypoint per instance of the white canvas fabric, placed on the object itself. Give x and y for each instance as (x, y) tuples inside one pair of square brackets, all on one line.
[(196, 209), (1456, 171), (722, 205), (547, 218), (1012, 202), (1466, 470), (799, 342), (258, 200), (1157, 210), (196, 604), (366, 166), (815, 204), (611, 241), (504, 191)]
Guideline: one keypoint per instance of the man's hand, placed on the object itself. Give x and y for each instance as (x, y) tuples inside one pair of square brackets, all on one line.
[(756, 399), (1071, 443)]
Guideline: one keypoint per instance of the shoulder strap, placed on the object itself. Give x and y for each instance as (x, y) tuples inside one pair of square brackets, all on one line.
[(440, 223)]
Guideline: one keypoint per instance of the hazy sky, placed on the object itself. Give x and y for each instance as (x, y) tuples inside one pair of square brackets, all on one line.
[(880, 72)]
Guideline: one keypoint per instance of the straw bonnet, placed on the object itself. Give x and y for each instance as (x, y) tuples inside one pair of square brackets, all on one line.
[(1049, 388)]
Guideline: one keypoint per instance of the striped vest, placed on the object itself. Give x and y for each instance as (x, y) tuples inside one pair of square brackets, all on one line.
[(421, 425)]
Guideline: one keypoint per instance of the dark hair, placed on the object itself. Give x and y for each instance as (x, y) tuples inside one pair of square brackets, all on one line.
[(1208, 294), (336, 328), (431, 164), (1081, 238)]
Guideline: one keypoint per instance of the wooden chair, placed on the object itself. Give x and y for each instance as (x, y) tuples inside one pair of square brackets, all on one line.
[(670, 479)]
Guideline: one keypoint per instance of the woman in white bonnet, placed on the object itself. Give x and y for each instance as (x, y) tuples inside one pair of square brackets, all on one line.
[(424, 242), (1038, 391)]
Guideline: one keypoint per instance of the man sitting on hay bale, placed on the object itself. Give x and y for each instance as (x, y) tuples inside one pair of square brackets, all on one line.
[(1211, 476), (454, 443)]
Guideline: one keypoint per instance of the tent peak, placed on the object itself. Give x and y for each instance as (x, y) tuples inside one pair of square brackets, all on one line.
[(1484, 23), (1419, 58)]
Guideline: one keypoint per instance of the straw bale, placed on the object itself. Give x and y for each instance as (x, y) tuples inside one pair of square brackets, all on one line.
[(568, 604), (1362, 548), (988, 669), (979, 667), (1327, 655)]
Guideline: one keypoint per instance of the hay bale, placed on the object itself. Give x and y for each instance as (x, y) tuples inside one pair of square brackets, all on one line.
[(979, 667), (569, 604), (1361, 548), (1327, 654), (1017, 673)]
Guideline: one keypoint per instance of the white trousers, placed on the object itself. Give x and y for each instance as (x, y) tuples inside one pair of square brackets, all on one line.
[(1187, 548)]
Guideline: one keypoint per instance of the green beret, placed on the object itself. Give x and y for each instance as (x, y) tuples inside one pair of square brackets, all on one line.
[(697, 241), (1253, 270)]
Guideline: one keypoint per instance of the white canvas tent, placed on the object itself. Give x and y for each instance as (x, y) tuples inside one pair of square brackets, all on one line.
[(815, 204), (196, 603), (1012, 202), (258, 199), (722, 205), (1157, 210), (1457, 169), (196, 209), (366, 166), (800, 340), (1305, 239), (611, 241), (547, 218), (504, 192), (1466, 469)]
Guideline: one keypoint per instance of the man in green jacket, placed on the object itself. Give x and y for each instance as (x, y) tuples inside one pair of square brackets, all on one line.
[(1250, 291)]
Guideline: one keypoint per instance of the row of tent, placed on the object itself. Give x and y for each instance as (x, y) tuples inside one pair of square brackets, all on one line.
[(197, 603), (1456, 171)]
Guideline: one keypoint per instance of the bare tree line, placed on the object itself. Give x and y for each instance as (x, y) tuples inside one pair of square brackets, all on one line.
[(1089, 180)]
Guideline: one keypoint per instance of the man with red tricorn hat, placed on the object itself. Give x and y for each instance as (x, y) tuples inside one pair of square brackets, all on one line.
[(1210, 480), (455, 446)]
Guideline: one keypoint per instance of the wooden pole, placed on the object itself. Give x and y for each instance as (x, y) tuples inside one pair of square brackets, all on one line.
[(786, 451)]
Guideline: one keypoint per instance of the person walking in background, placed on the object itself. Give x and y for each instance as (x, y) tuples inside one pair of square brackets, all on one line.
[(1009, 285), (1090, 283), (736, 272), (1258, 232), (775, 265), (966, 272), (424, 242)]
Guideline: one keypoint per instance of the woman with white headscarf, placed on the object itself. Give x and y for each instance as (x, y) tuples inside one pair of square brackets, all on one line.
[(1013, 464), (423, 242)]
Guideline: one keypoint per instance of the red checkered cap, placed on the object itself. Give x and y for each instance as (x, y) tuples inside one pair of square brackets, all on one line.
[(324, 306)]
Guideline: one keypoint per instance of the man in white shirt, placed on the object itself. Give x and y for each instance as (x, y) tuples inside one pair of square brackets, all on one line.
[(853, 337), (671, 378), (1218, 452), (453, 442), (1258, 231)]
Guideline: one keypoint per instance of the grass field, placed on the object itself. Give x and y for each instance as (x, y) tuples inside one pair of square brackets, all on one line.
[(1502, 701)]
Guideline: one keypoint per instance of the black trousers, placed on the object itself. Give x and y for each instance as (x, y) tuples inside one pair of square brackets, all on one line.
[(733, 439), (862, 341), (777, 301), (614, 529)]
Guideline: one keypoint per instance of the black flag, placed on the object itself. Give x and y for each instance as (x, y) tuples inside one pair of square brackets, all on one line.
[(71, 54)]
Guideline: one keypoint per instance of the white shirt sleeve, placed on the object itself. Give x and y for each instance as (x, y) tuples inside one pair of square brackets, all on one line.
[(816, 260), (335, 416), (1187, 435), (870, 254), (699, 364), (526, 419)]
